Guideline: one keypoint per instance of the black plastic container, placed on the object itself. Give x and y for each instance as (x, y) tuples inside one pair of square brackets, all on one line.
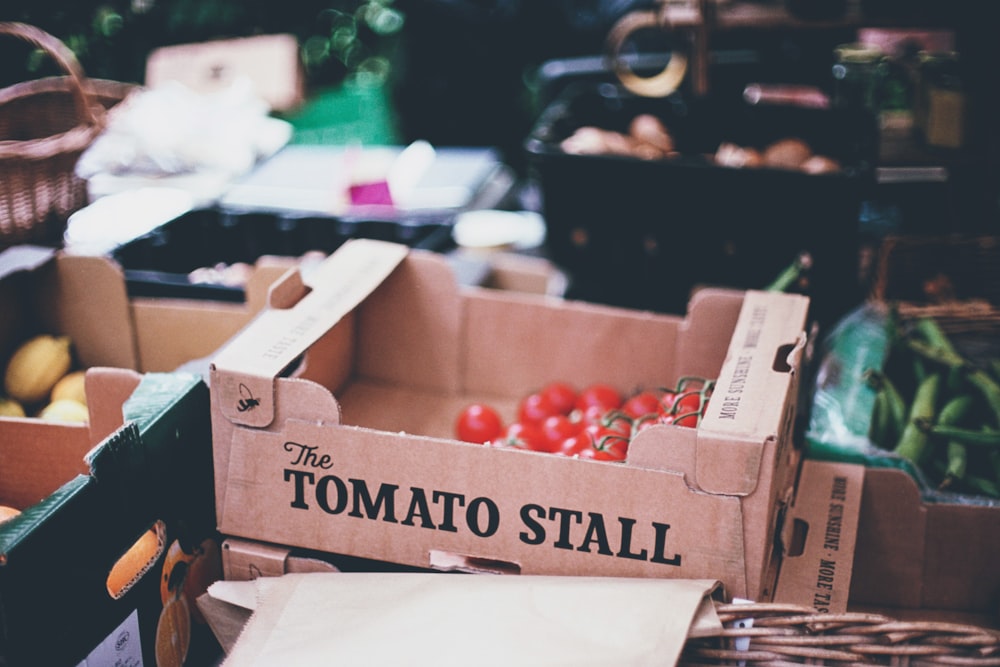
[(158, 264), (643, 233)]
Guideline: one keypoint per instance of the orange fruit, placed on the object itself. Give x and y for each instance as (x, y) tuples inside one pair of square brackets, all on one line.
[(7, 512), (134, 563)]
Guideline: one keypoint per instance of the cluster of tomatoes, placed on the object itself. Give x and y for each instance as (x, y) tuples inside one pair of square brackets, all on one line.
[(597, 422)]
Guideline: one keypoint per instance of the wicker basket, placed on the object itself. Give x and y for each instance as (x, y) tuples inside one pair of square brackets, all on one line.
[(788, 635), (954, 278), (45, 125)]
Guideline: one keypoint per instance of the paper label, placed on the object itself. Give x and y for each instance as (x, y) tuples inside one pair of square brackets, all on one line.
[(121, 648)]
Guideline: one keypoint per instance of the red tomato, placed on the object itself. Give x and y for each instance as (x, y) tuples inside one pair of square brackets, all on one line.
[(576, 444), (593, 414), (561, 396), (605, 396), (667, 400), (478, 423), (524, 436), (687, 409), (641, 404), (609, 442), (556, 429), (534, 408)]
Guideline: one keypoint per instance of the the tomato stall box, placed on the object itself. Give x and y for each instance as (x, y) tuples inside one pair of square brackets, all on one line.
[(84, 500), (333, 413)]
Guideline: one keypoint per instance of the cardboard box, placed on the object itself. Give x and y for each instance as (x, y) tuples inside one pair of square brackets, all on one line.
[(270, 62), (87, 298), (85, 499), (333, 409)]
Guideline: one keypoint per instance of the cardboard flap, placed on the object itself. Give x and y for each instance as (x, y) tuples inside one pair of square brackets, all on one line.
[(819, 536), (243, 371), (761, 367)]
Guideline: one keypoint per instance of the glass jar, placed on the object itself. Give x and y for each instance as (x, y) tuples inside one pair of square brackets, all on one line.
[(858, 73), (940, 105)]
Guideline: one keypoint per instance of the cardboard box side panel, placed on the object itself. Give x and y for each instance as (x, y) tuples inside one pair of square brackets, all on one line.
[(108, 389), (820, 535), (85, 298), (410, 326), (917, 555), (37, 457), (330, 360), (760, 514), (524, 273), (966, 540), (512, 345), (385, 496), (706, 332), (172, 332), (889, 566), (754, 397), (413, 410), (267, 270), (294, 398)]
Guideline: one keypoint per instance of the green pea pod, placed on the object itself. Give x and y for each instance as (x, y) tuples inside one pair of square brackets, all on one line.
[(977, 377), (967, 436), (914, 443), (958, 462), (879, 430), (888, 423)]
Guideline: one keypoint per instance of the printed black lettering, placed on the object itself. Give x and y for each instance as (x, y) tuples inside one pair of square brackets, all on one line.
[(564, 516), (305, 455), (659, 546), (299, 476), (529, 515), (472, 516), (839, 491), (418, 509), (362, 499), (323, 494), (834, 519), (448, 518), (626, 544), (596, 532)]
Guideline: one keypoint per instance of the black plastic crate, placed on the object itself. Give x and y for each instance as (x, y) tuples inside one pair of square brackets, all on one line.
[(643, 233), (159, 263)]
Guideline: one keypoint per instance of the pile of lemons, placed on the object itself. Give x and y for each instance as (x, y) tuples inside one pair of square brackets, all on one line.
[(40, 381)]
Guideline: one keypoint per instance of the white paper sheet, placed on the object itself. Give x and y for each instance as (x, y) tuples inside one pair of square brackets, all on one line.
[(453, 619)]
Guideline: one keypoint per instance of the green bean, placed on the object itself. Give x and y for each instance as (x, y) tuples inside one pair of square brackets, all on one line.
[(914, 443), (967, 436)]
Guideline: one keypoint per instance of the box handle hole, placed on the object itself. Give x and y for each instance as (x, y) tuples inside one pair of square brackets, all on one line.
[(797, 540), (452, 562)]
